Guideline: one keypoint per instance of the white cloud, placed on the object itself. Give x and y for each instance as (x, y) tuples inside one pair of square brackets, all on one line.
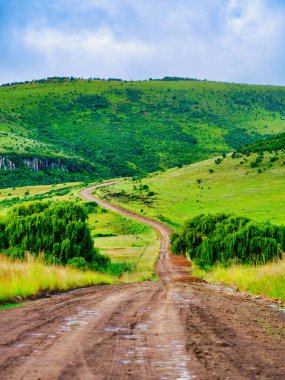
[(230, 40), (93, 53)]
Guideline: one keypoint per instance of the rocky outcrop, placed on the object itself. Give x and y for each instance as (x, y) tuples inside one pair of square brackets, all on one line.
[(13, 162), (6, 164)]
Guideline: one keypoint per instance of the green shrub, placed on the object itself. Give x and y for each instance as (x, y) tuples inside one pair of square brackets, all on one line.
[(58, 230), (77, 263), (227, 238)]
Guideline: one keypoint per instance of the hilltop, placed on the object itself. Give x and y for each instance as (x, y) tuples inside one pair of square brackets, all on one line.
[(98, 129)]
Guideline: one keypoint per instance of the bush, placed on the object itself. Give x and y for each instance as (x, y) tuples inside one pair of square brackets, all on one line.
[(91, 207), (218, 160), (77, 263), (57, 229), (225, 238)]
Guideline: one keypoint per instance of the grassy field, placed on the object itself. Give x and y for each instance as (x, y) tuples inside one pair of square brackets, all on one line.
[(13, 196), (207, 187), (131, 242)]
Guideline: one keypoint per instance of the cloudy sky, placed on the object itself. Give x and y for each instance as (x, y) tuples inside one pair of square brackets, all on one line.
[(227, 40)]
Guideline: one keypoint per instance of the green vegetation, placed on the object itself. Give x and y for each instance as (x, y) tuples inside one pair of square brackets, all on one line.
[(274, 144), (225, 239), (63, 129), (10, 305), (57, 230), (125, 240), (131, 246), (265, 279), (235, 185), (4, 203)]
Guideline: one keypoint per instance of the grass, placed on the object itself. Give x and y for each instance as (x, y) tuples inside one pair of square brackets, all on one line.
[(265, 280), (22, 279), (27, 192), (11, 305), (133, 243), (206, 187)]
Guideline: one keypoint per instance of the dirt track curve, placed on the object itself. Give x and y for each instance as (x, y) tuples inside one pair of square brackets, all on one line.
[(150, 330)]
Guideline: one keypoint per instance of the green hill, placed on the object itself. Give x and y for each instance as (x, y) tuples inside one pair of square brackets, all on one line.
[(25, 161), (110, 128), (247, 184)]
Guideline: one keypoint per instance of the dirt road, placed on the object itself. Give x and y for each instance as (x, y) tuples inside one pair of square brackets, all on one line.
[(151, 330)]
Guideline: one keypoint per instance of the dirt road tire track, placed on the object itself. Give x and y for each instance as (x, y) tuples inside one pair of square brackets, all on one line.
[(151, 330)]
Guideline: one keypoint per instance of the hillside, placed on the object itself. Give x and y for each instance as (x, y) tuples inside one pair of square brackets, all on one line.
[(248, 184), (25, 161), (110, 128)]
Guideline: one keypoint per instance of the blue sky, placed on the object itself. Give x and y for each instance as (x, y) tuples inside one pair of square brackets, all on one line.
[(227, 40)]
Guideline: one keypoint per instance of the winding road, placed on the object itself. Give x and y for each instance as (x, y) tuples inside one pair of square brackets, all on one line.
[(149, 330)]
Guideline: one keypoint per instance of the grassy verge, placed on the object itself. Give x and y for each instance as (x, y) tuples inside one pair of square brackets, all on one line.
[(22, 279), (267, 280)]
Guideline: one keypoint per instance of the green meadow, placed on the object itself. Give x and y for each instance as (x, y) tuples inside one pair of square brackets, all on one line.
[(231, 186)]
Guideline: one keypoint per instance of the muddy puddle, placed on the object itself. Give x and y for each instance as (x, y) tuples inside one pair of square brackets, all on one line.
[(78, 321), (278, 308), (167, 360)]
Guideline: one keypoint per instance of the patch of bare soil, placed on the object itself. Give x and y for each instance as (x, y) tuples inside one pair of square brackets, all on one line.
[(180, 261), (170, 329), (189, 280)]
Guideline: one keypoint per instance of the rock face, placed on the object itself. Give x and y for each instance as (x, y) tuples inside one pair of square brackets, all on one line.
[(34, 163), (6, 163), (13, 162), (37, 164)]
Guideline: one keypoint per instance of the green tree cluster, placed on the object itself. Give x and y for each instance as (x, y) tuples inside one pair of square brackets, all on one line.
[(227, 238), (58, 230)]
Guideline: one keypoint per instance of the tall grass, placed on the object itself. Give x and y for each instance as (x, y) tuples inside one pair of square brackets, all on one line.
[(267, 280), (22, 279)]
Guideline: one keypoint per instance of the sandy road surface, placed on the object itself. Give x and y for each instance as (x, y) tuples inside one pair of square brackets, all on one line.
[(151, 330)]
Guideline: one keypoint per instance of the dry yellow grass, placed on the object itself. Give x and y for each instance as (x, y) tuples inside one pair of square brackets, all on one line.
[(267, 280), (22, 279)]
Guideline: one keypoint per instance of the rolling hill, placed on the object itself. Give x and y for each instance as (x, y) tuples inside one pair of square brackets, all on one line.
[(245, 183), (64, 129)]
